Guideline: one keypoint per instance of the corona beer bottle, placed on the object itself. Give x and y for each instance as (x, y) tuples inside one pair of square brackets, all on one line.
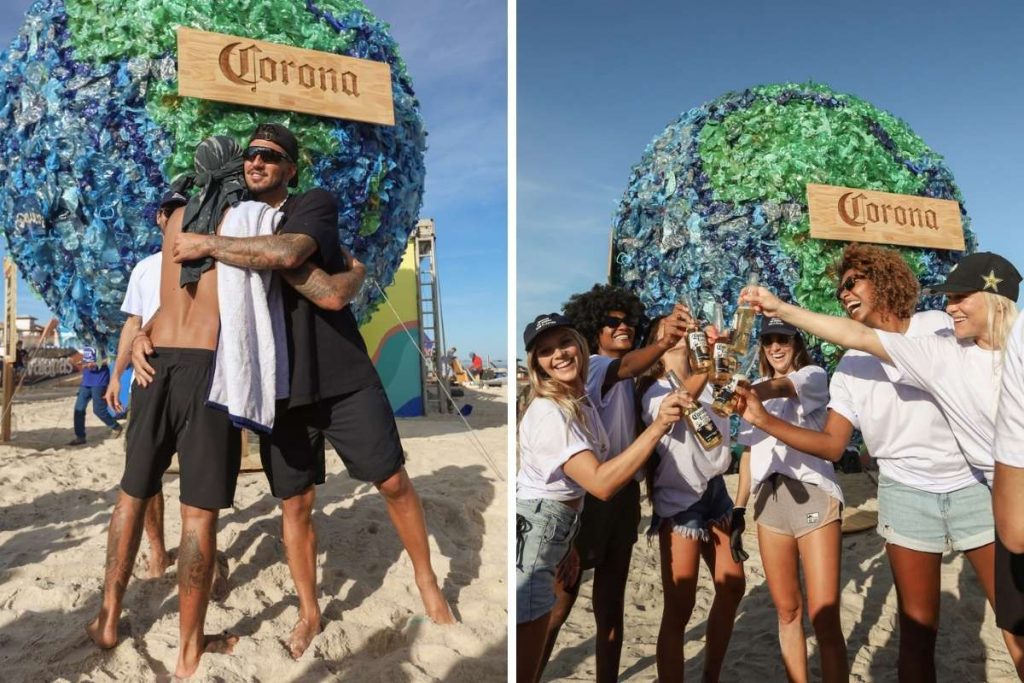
[(701, 424), (743, 322)]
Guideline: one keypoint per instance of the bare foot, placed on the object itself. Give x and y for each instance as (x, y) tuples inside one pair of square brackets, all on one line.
[(434, 603), (302, 635), (222, 644), (102, 632), (219, 587)]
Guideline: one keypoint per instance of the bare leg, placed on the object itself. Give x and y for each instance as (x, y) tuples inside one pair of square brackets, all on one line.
[(407, 515), (983, 561), (609, 605), (917, 579), (730, 585), (680, 558), (299, 536), (779, 554), (123, 538), (530, 638), (196, 553), (158, 558), (565, 598), (820, 556)]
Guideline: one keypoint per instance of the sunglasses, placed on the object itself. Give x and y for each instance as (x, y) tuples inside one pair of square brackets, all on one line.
[(269, 156), (613, 321), (847, 285)]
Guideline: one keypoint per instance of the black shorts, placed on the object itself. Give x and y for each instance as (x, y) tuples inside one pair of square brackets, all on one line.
[(170, 415), (608, 526), (361, 427), (1009, 589)]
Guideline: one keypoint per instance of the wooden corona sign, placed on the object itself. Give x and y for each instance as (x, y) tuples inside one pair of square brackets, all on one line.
[(215, 66), (844, 213)]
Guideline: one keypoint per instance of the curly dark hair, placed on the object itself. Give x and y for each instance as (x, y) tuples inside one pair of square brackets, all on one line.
[(896, 286), (587, 310)]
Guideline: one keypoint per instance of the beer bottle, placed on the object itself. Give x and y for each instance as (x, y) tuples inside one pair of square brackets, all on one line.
[(743, 322), (725, 397), (696, 341), (701, 424), (724, 360)]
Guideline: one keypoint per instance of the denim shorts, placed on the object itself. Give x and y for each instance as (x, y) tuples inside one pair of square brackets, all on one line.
[(714, 507), (935, 522), (545, 530)]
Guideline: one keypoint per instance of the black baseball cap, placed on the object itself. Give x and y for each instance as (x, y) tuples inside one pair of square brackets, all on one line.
[(777, 326), (280, 135), (981, 272), (543, 322), (172, 199)]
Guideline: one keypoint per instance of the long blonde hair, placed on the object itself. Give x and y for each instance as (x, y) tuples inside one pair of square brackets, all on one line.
[(543, 385), (1002, 313)]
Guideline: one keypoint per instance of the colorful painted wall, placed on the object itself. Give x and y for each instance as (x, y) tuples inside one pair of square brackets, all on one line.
[(393, 353)]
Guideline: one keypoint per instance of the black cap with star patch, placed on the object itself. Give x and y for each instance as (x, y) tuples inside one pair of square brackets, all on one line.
[(981, 272)]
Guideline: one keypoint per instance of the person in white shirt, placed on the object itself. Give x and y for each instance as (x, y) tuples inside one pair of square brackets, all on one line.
[(1008, 503), (608, 317), (563, 452), (798, 504), (692, 511), (960, 371)]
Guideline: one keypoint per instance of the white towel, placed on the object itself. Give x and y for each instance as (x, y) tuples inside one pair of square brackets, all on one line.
[(251, 369)]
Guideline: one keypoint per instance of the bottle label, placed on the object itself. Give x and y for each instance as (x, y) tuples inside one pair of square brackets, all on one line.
[(703, 426), (724, 362), (698, 342)]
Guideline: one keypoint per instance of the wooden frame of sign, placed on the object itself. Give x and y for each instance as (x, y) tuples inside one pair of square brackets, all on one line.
[(216, 66), (853, 215)]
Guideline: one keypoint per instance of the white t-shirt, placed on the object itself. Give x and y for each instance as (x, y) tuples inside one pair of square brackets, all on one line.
[(964, 380), (903, 427), (1009, 447), (143, 295), (768, 455), (684, 471), (546, 442), (616, 407)]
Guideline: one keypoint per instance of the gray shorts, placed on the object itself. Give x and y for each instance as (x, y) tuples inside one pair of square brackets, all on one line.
[(935, 522), (545, 530), (794, 508)]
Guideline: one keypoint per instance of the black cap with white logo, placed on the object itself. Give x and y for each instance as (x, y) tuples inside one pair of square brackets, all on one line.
[(777, 326), (981, 272), (543, 322)]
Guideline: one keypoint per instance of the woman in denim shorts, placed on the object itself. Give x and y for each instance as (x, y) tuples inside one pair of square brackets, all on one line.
[(692, 512), (797, 505), (563, 453), (959, 372)]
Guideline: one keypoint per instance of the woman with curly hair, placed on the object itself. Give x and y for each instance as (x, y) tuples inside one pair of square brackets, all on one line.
[(958, 373), (609, 318), (563, 452), (797, 504)]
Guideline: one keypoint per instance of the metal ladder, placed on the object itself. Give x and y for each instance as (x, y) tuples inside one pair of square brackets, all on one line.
[(433, 369)]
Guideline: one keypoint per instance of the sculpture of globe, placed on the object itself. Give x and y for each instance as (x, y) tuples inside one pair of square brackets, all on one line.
[(92, 130), (721, 192)]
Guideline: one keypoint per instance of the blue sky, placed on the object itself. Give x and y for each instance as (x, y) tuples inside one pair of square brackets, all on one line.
[(456, 55), (598, 80)]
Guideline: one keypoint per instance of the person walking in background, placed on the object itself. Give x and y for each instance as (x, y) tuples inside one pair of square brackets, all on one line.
[(95, 378)]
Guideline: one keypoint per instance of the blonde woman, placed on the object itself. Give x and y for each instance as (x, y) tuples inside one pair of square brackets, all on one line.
[(797, 504), (961, 372), (563, 454)]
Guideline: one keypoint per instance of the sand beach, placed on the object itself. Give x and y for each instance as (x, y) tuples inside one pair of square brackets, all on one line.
[(57, 500)]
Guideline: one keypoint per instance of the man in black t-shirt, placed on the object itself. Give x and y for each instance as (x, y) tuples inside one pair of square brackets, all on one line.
[(335, 390)]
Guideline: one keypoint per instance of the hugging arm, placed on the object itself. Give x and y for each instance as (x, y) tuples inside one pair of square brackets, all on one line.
[(332, 292)]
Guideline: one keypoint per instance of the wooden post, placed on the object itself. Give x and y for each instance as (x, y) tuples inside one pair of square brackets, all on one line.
[(11, 343)]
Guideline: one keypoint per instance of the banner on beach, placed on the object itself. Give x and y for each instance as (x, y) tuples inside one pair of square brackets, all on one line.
[(225, 68), (853, 215)]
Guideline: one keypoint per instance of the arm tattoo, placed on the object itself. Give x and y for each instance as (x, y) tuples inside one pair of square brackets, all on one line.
[(269, 252), (192, 566), (332, 292)]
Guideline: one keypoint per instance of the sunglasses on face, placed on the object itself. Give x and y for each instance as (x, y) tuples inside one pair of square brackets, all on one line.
[(613, 321), (269, 156), (780, 339), (847, 285)]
